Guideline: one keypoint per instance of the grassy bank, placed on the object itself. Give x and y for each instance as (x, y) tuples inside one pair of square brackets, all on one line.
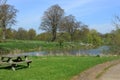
[(27, 46), (53, 68)]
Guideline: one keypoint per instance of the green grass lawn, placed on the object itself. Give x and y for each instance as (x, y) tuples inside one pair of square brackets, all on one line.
[(53, 68)]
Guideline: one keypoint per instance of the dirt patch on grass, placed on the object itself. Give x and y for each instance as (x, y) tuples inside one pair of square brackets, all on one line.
[(95, 72)]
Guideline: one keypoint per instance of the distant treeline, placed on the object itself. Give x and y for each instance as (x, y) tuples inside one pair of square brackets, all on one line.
[(83, 34)]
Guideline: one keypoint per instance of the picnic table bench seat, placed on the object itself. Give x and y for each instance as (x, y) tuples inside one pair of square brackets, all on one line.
[(14, 64), (3, 63), (20, 62)]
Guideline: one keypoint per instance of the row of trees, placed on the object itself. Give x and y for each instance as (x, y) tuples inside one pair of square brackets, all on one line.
[(20, 34), (84, 35)]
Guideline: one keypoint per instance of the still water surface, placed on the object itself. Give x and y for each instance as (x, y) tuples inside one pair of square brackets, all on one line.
[(96, 51)]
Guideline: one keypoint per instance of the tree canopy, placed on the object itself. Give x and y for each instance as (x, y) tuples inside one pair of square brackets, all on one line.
[(7, 17), (52, 19)]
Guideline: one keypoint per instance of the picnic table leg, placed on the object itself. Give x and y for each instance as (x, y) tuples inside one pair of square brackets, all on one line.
[(26, 58), (28, 64), (13, 67), (2, 58)]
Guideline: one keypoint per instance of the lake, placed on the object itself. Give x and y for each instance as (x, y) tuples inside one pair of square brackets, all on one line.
[(96, 51)]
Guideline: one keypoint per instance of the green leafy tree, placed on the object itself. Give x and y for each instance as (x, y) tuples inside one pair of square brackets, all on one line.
[(96, 39), (0, 33), (22, 34), (46, 36), (9, 33), (84, 33), (31, 34)]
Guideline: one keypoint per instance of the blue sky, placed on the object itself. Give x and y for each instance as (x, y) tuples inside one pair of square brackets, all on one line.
[(97, 14)]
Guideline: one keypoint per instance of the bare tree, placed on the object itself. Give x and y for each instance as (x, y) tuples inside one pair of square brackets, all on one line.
[(52, 19), (116, 36), (2, 2), (116, 21), (7, 17), (70, 25)]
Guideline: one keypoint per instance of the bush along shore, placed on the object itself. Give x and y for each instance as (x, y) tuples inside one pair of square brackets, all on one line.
[(19, 46)]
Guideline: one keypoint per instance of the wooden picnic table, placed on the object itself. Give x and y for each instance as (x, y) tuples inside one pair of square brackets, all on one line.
[(14, 60)]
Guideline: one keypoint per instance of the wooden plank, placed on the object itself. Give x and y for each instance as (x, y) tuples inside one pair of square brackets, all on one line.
[(20, 62), (13, 56), (5, 63)]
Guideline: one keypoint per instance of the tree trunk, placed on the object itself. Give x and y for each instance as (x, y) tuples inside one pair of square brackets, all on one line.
[(3, 34), (71, 36), (53, 35)]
